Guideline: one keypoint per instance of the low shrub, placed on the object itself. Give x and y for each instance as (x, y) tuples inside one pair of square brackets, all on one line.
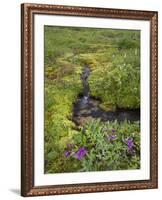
[(103, 146)]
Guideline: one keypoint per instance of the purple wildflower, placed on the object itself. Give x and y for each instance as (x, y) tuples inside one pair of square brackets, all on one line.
[(113, 130), (111, 137), (67, 153), (80, 153), (130, 143)]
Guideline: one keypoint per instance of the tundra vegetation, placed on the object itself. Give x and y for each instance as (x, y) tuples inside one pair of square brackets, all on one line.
[(113, 57)]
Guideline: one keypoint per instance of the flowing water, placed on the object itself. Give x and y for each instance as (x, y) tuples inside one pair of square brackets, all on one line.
[(87, 107)]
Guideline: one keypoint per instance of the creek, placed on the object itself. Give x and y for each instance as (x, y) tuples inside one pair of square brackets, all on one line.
[(87, 107)]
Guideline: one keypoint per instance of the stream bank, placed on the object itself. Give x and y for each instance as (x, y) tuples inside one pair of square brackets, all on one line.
[(87, 107)]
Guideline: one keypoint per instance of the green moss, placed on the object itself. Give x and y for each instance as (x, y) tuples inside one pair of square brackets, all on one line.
[(114, 78), (107, 106)]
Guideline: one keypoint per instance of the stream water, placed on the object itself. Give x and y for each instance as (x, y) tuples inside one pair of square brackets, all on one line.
[(87, 107)]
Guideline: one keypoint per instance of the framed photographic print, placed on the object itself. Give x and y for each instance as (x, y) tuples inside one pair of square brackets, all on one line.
[(89, 99)]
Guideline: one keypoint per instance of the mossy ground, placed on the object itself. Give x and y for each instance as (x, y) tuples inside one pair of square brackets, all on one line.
[(114, 59)]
